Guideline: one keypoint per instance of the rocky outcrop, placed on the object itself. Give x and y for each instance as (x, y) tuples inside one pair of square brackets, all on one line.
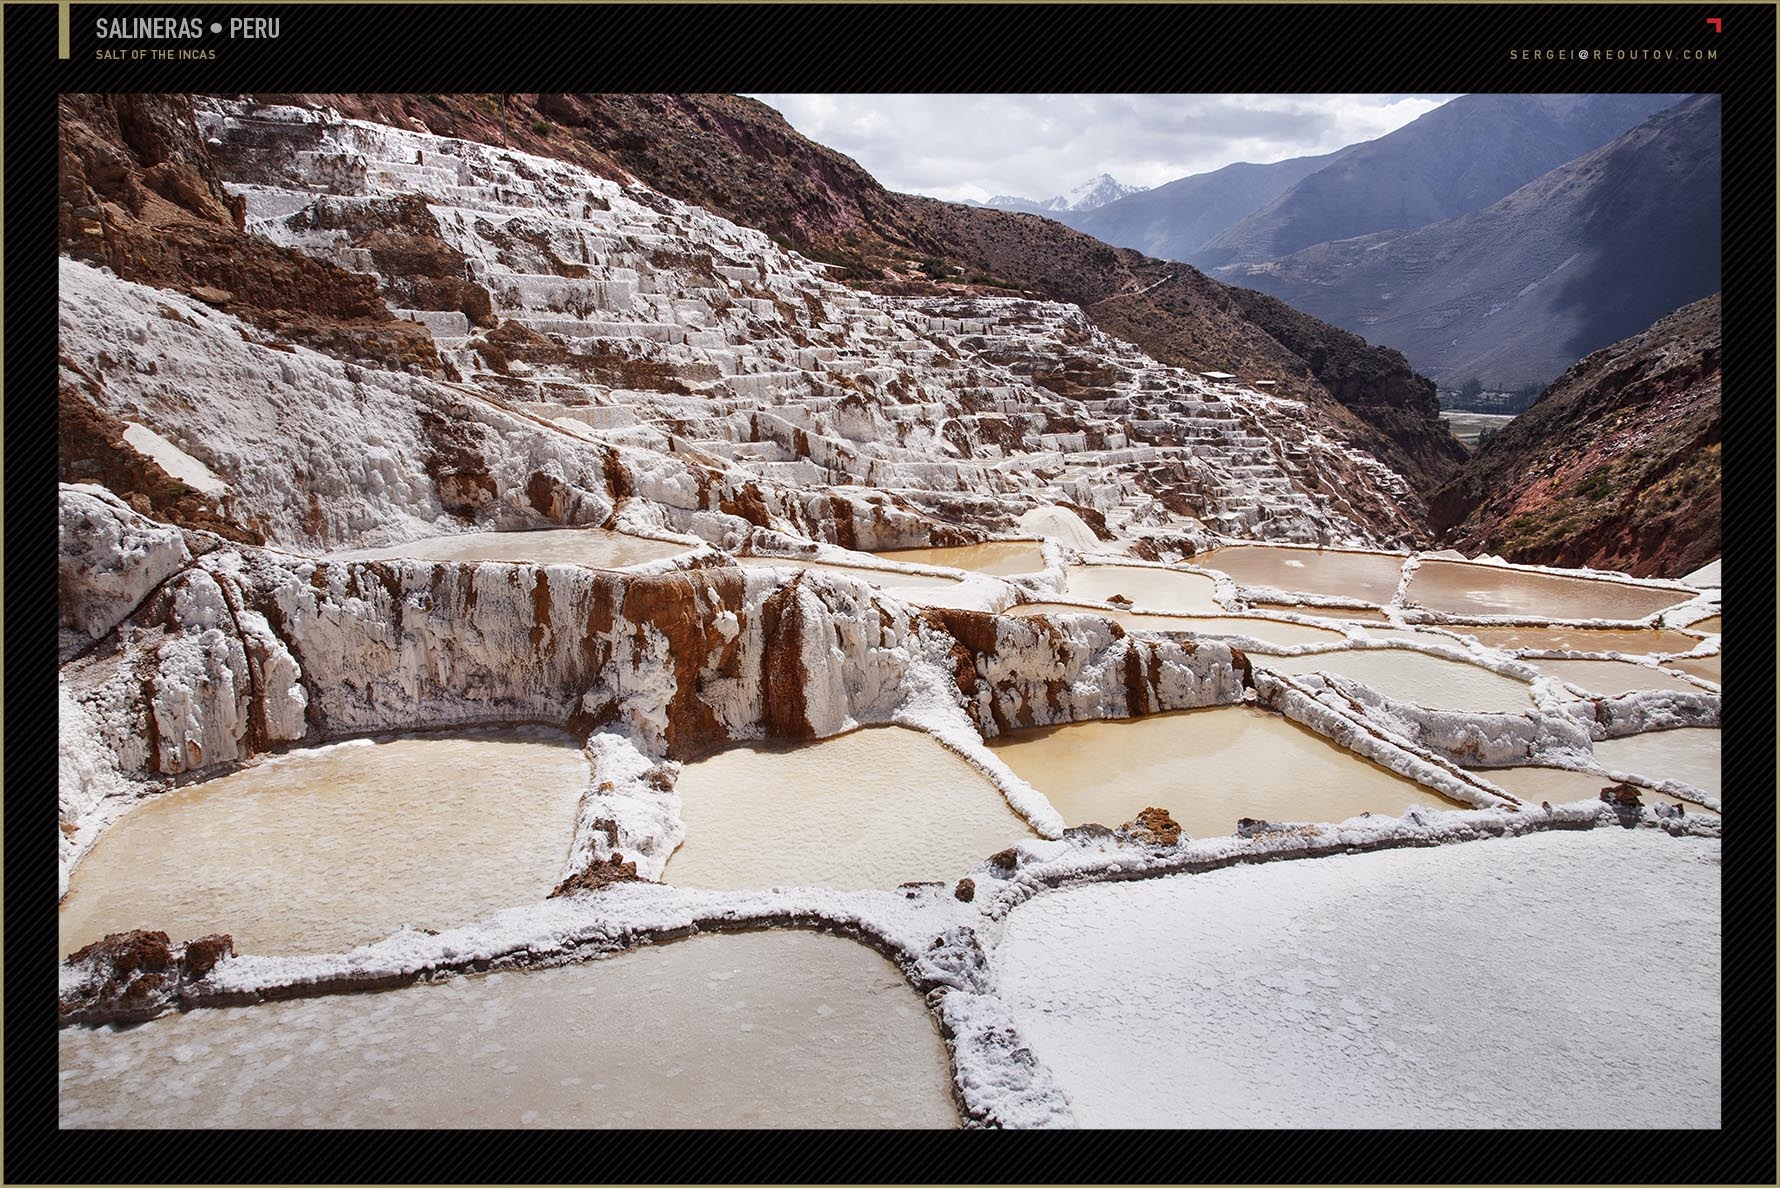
[(132, 976), (1617, 466)]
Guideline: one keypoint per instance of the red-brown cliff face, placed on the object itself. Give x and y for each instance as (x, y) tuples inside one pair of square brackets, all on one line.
[(1617, 466)]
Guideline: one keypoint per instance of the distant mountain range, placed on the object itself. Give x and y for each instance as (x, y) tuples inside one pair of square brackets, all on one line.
[(1092, 194), (1515, 292), (1458, 158), (1174, 221)]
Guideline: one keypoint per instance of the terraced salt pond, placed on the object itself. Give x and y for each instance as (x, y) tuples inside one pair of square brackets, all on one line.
[(1469, 588), (321, 850), (873, 808), (1609, 678), (1362, 613), (751, 1030), (1416, 678), (1000, 558), (1708, 667), (1273, 631), (1711, 626), (1582, 639), (1153, 589), (1368, 577), (1560, 786), (1501, 983), (1690, 754), (597, 548), (1209, 768)]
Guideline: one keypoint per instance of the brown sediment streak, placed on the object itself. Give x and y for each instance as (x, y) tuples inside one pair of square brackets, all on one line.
[(783, 678)]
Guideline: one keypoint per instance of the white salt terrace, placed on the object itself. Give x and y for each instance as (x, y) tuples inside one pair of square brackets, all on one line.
[(873, 808), (1416, 678), (173, 460), (773, 357), (596, 548), (1558, 785), (1368, 577), (322, 850), (1690, 755), (1273, 631), (1372, 989), (1469, 589), (1209, 768), (1149, 588), (770, 1029)]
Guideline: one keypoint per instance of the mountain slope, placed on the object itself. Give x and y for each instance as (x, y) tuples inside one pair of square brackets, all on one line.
[(739, 158), (1175, 220), (1617, 466), (1459, 157), (1514, 293)]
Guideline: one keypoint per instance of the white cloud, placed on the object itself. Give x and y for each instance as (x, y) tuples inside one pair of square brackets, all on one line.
[(976, 146)]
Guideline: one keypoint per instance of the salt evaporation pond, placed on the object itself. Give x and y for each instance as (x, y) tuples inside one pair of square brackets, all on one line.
[(321, 850), (1368, 577), (1446, 987), (1712, 626), (1559, 785), (1468, 588), (1150, 588), (1273, 631), (1708, 667), (1364, 613), (1001, 558), (1416, 678), (1609, 678), (1209, 768), (1581, 639), (779, 1029), (597, 548), (883, 579), (1688, 754), (873, 808)]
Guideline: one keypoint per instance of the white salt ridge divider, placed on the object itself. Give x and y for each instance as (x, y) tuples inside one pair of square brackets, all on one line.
[(1147, 999), (1363, 737)]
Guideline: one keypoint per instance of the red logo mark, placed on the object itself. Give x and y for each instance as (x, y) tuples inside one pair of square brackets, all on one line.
[(1717, 24)]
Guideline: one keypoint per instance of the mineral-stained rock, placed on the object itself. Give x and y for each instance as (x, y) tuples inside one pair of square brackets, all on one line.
[(966, 890), (614, 868), (135, 975), (1152, 827)]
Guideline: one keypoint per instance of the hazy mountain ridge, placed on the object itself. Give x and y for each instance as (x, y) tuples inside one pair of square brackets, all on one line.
[(1514, 293), (1177, 219), (1460, 157)]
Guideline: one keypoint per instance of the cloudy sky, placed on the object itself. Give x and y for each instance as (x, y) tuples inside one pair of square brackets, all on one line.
[(1033, 146)]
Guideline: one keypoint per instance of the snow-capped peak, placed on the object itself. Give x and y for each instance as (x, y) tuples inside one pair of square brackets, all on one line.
[(1095, 192)]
